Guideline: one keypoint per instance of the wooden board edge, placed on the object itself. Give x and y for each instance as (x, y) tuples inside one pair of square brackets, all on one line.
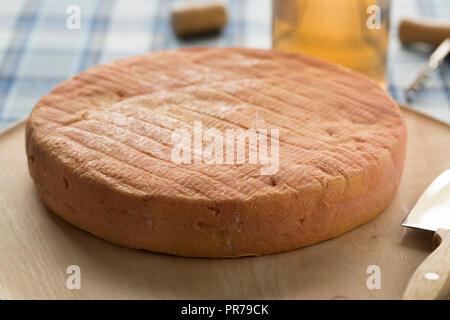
[(422, 114), (13, 126)]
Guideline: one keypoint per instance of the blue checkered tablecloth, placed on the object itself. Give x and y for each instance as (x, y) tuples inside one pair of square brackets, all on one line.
[(37, 51)]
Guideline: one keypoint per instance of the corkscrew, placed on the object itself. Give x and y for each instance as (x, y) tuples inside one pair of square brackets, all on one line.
[(412, 31), (434, 62)]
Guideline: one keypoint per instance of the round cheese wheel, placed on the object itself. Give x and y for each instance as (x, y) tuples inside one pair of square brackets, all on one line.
[(158, 151)]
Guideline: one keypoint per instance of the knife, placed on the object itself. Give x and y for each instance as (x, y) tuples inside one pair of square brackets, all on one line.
[(431, 280)]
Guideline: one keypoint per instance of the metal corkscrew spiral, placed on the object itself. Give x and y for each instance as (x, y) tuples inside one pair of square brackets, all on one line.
[(436, 59)]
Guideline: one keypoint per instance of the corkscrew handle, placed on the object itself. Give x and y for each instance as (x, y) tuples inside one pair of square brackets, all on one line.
[(416, 31)]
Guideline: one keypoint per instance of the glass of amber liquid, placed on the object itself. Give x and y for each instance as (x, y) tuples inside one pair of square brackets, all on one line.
[(353, 33)]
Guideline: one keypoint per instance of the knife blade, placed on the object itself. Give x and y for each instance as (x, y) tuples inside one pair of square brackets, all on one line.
[(432, 210), (431, 280)]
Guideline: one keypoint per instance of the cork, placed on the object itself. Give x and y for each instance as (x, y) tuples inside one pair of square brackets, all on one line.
[(190, 19)]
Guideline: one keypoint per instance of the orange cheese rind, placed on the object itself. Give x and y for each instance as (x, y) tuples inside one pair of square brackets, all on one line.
[(99, 151)]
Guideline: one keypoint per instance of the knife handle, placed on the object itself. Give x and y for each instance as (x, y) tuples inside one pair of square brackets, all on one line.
[(431, 280)]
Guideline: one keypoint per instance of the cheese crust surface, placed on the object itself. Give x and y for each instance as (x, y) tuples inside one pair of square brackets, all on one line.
[(100, 146)]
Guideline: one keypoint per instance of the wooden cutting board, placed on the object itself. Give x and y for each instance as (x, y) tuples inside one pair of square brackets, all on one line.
[(36, 247)]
